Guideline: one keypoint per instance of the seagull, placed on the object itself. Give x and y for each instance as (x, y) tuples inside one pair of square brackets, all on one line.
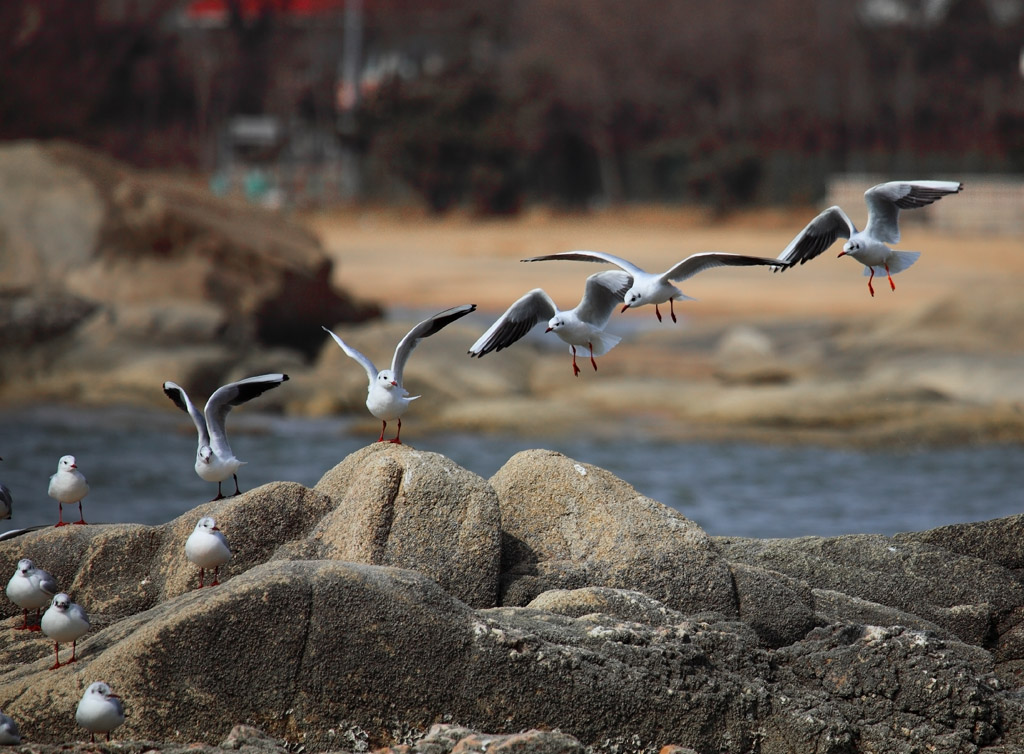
[(386, 397), (29, 588), (650, 288), (582, 327), (100, 710), (869, 245), (207, 547), (6, 501), (68, 485), (215, 461), (64, 621), (9, 735)]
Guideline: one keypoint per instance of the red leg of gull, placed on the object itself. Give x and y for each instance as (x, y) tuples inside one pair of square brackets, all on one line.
[(892, 285), (871, 288), (74, 645), (216, 573), (237, 491), (672, 308), (220, 495), (384, 425), (202, 573), (575, 369), (594, 363), (81, 518), (60, 515), (398, 435), (24, 624), (658, 312), (56, 652)]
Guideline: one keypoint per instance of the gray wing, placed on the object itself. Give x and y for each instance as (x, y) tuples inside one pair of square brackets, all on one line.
[(590, 256), (887, 199), (47, 583), (517, 320), (604, 291), (77, 611), (705, 261), (371, 370), (820, 233), (6, 502), (425, 329), (230, 395), (177, 394)]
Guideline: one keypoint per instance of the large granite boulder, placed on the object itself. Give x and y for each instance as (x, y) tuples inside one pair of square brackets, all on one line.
[(656, 635), (113, 280), (569, 525)]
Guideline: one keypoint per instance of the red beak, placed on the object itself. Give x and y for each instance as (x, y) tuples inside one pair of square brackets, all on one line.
[(624, 308), (214, 528), (841, 254), (548, 330), (394, 383)]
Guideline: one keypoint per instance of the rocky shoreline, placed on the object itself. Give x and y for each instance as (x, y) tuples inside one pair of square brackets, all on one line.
[(403, 592)]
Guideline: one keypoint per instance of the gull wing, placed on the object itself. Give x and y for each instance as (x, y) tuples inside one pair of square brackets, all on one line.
[(230, 395), (425, 329), (177, 394), (887, 199), (517, 320), (371, 370), (604, 291), (820, 233), (6, 501), (706, 260), (590, 256), (47, 584)]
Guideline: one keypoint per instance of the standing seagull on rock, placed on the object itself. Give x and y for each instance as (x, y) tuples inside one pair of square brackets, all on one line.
[(6, 501), (650, 288), (869, 245), (100, 710), (215, 461), (31, 588), (64, 621), (208, 548), (68, 485), (582, 327), (386, 397)]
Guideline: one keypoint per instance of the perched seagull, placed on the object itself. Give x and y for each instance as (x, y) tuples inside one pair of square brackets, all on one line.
[(386, 397), (64, 621), (650, 288), (869, 245), (68, 485), (9, 735), (582, 327), (215, 461), (29, 588), (100, 710), (6, 501), (207, 547)]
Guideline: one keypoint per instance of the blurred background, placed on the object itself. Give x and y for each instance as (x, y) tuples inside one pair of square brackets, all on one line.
[(190, 189)]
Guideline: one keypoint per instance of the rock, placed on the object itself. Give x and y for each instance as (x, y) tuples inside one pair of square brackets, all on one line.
[(777, 608), (617, 603), (567, 525), (959, 593), (103, 267), (407, 508)]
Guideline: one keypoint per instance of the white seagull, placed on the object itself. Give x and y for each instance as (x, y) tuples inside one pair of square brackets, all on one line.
[(68, 485), (6, 501), (9, 735), (869, 245), (582, 327), (207, 547), (31, 588), (215, 461), (64, 621), (386, 397), (100, 710), (651, 288)]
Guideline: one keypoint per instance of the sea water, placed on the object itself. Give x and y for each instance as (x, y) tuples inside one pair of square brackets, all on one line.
[(139, 466)]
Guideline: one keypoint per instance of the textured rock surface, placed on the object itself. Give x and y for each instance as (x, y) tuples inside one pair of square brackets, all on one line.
[(656, 637)]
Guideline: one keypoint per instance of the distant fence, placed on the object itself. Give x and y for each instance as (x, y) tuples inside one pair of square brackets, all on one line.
[(988, 204)]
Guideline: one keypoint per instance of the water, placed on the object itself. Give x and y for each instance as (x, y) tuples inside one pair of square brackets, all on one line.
[(139, 466)]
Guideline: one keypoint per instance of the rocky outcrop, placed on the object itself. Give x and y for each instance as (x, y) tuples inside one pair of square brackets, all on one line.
[(112, 281), (366, 611)]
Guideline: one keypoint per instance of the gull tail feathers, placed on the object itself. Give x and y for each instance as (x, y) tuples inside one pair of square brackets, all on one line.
[(898, 263), (603, 343)]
